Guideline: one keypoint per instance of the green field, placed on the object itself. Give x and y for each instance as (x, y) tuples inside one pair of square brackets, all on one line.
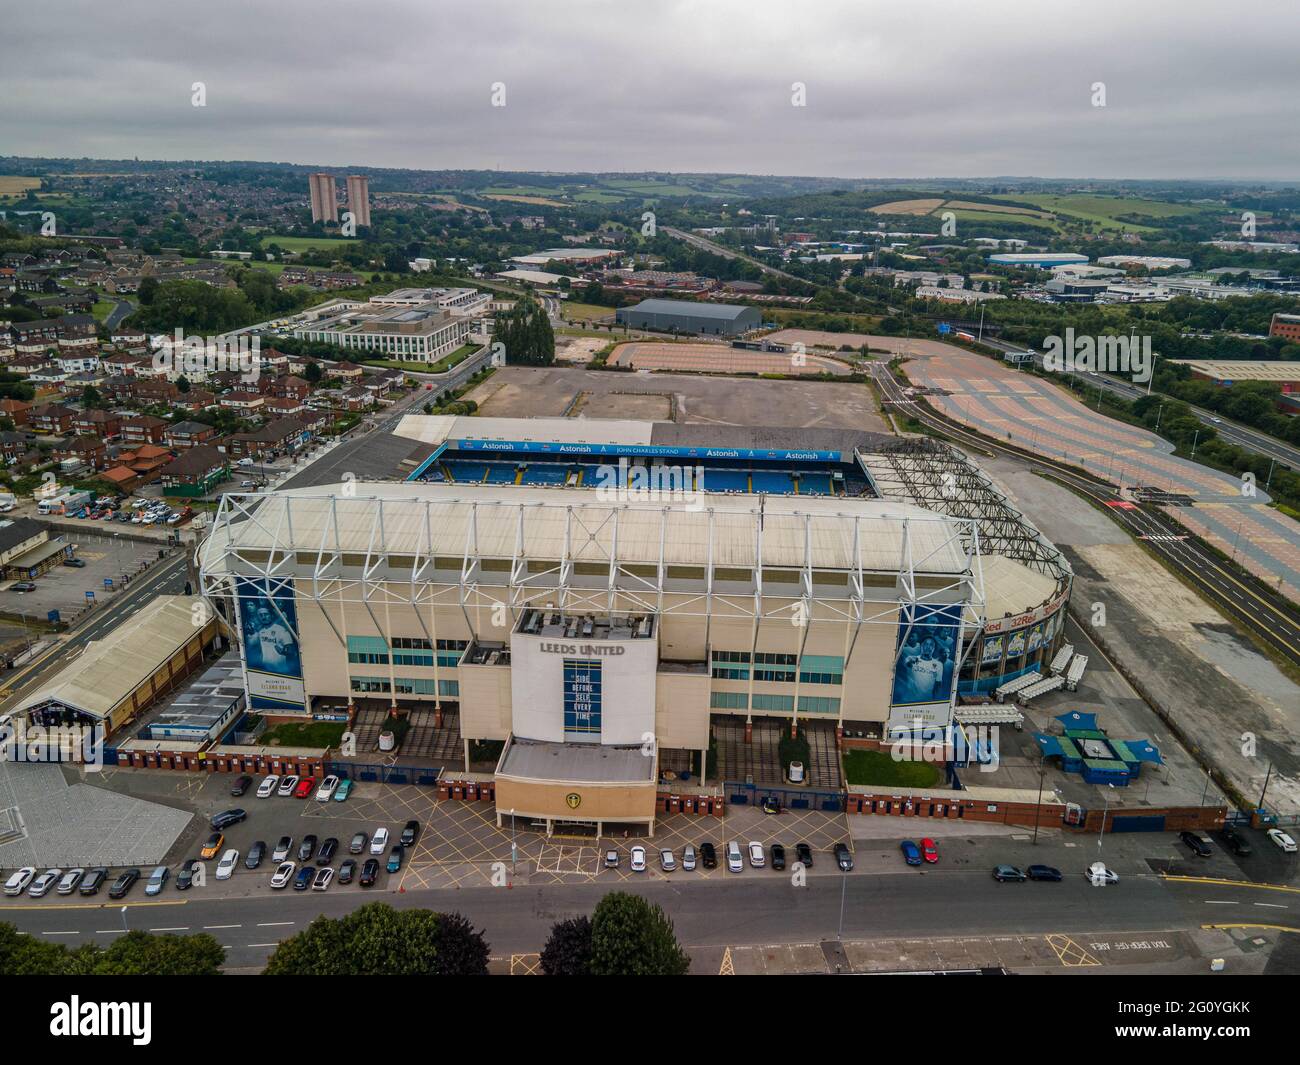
[(1105, 211), (879, 768), (441, 366), (300, 244)]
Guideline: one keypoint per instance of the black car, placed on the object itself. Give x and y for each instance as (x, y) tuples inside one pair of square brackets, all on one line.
[(227, 818), (241, 786), (369, 872), (327, 850), (843, 858), (803, 853), (708, 856), (1236, 842), (1199, 847), (1043, 872), (409, 834), (256, 855), (778, 856), (347, 871), (123, 884), (93, 881), (306, 848), (185, 878), (75, 563), (358, 844), (304, 878)]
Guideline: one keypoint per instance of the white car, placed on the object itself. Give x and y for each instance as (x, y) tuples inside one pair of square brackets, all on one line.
[(379, 841), (796, 773), (735, 859), (283, 874), (1098, 874), (268, 786), (667, 862), (70, 881), (688, 858), (227, 864), (757, 858), (17, 883), (44, 882), (638, 859), (287, 784), (1282, 840), (327, 788), (323, 879)]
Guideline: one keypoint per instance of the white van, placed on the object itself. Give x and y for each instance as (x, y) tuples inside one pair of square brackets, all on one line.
[(735, 858)]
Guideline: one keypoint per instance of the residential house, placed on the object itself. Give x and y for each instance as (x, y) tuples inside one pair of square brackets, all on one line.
[(89, 450), (101, 423), (195, 472), (17, 409), (143, 429), (184, 435), (50, 418)]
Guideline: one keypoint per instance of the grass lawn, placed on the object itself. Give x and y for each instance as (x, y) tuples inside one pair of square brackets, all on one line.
[(102, 309), (304, 243), (305, 734), (583, 311), (879, 768), (441, 366)]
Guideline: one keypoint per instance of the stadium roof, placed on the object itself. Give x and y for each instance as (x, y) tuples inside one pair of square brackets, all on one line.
[(725, 312)]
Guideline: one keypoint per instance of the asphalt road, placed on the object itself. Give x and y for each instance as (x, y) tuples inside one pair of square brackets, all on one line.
[(697, 241)]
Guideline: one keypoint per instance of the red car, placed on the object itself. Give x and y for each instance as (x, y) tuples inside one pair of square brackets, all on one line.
[(305, 787), (929, 851)]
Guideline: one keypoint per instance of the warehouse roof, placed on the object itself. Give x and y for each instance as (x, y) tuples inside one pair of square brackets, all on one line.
[(1249, 370), (727, 312)]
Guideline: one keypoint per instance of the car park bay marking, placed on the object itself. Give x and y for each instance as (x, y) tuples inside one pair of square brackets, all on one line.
[(1271, 927)]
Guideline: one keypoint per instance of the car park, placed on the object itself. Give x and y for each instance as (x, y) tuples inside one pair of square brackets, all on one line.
[(19, 880), (323, 879), (708, 856), (638, 860), (929, 850), (327, 787), (358, 844), (735, 859), (93, 881), (123, 884), (185, 878), (304, 787), (410, 833), (343, 790), (1043, 872), (226, 867), (803, 853), (395, 858), (283, 874), (157, 880), (1281, 840), (911, 852), (611, 859), (1099, 874), (1236, 842), (1008, 874), (1197, 845), (688, 858), (327, 850), (268, 786), (757, 857), (282, 849), (241, 785), (69, 881), (227, 818), (369, 872), (213, 846), (843, 857), (286, 786), (256, 854), (379, 841), (778, 856), (667, 861), (304, 878), (307, 848)]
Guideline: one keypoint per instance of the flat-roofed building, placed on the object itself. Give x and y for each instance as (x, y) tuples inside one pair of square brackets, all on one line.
[(359, 198), (324, 198), (687, 316)]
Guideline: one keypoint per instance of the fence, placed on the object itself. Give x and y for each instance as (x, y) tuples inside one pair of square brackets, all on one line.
[(370, 772), (740, 794)]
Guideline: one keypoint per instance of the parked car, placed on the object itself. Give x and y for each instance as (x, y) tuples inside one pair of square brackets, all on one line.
[(1198, 846), (1099, 874), (803, 853), (304, 878), (379, 841), (304, 787), (410, 833), (123, 884), (843, 857), (69, 881), (708, 856), (735, 859), (778, 856), (22, 587), (343, 790), (323, 879), (226, 867), (157, 880), (240, 786), (395, 858), (307, 848), (1236, 842), (1043, 872), (347, 871), (688, 858), (227, 818), (268, 786), (757, 857), (358, 843), (282, 849), (369, 872), (287, 786), (75, 563), (327, 787), (327, 850), (213, 846), (796, 773), (929, 850), (93, 881), (911, 852), (1281, 840), (256, 854), (638, 859), (1008, 874), (283, 874), (611, 859), (41, 884), (667, 861), (185, 878)]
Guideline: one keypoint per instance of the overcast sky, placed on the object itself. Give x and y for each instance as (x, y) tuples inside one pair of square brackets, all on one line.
[(964, 88)]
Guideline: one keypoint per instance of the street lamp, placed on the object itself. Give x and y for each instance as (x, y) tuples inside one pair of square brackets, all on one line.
[(1105, 810)]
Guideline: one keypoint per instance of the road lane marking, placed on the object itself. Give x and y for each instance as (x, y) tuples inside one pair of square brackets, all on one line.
[(218, 927), (275, 924)]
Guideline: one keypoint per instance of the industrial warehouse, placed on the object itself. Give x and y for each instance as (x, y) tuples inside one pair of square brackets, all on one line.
[(594, 593)]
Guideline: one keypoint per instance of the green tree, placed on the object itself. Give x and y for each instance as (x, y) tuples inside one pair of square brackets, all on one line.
[(631, 936), (142, 954), (568, 951), (313, 373)]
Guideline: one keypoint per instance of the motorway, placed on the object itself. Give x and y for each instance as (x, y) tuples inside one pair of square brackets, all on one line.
[(1274, 621), (695, 240)]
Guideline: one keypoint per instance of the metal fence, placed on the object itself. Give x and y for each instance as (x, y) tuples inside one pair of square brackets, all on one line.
[(369, 772), (741, 794)]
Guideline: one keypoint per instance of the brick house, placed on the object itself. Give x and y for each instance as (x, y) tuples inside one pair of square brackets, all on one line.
[(143, 429)]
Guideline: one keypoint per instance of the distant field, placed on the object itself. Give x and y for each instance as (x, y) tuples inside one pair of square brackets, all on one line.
[(912, 207), (17, 184), (304, 243), (971, 205), (1000, 216), (1106, 210)]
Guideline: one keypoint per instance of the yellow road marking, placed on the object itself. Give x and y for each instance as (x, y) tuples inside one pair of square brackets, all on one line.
[(1070, 954), (1229, 883), (1272, 927)]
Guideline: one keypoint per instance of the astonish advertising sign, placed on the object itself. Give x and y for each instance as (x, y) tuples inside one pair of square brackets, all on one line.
[(650, 450)]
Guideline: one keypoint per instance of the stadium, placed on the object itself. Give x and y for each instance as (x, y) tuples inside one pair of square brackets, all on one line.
[(597, 594)]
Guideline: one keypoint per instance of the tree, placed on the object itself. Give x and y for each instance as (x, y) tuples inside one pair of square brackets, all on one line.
[(141, 954), (147, 289), (312, 374), (568, 951), (631, 936)]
